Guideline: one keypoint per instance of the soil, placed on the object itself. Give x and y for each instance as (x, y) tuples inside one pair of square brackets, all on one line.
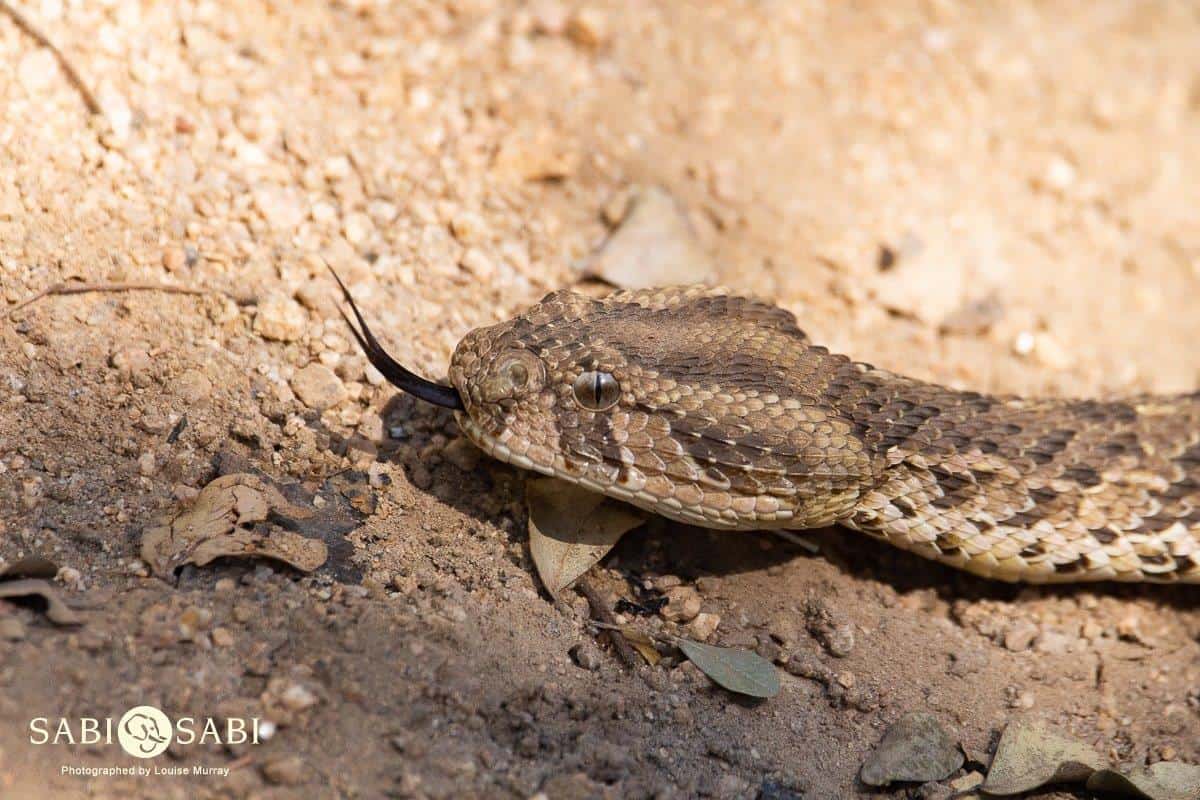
[(1000, 196)]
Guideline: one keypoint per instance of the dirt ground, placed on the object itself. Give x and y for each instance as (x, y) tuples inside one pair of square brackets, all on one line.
[(999, 195)]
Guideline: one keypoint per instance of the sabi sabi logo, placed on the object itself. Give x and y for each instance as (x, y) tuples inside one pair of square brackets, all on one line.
[(146, 732)]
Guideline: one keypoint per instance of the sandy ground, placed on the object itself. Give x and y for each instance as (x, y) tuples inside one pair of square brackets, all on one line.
[(1002, 196)]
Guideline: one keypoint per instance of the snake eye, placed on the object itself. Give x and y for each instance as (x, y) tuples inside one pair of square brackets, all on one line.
[(597, 391), (517, 374)]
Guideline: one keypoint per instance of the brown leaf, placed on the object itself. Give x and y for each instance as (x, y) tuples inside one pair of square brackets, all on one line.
[(643, 644), (571, 528), (1165, 780), (1029, 755), (57, 611), (30, 567), (230, 517)]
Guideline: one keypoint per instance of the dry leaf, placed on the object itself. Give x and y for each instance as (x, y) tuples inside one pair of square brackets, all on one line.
[(57, 611), (30, 567), (1166, 780), (740, 671), (1029, 756), (915, 749), (571, 528), (643, 644), (230, 518), (654, 246)]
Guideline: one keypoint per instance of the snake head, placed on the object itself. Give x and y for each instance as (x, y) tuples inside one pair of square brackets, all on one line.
[(696, 404)]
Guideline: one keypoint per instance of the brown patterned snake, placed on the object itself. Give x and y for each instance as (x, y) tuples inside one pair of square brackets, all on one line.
[(716, 410)]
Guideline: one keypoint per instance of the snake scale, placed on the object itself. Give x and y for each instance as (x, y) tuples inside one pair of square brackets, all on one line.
[(716, 410)]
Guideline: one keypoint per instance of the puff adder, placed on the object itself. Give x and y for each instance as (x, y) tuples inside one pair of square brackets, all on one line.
[(716, 410)]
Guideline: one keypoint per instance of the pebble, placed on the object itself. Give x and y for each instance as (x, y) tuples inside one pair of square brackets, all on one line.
[(468, 227), (683, 604), (297, 697), (587, 655), (222, 637), (783, 626), (358, 228), (587, 27), (318, 387), (284, 771), (131, 361), (915, 749), (193, 387), (146, 464), (1020, 635), (703, 626), (829, 627), (11, 629), (282, 210), (478, 263), (174, 259), (280, 318), (194, 620), (37, 70)]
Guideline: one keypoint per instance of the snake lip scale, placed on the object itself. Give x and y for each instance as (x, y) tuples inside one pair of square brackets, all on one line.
[(716, 410)]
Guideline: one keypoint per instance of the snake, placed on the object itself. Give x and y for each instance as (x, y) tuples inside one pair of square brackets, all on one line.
[(716, 410)]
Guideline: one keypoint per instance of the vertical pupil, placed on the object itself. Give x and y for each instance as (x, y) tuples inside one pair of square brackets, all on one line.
[(597, 383)]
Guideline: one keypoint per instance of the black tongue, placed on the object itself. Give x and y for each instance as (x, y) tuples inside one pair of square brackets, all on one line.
[(397, 374)]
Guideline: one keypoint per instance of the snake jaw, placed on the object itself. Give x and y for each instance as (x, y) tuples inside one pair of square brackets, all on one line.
[(398, 375)]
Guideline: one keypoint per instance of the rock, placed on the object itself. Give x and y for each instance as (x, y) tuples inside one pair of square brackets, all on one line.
[(131, 361), (478, 263), (1020, 635), (192, 621), (655, 246), (285, 771), (586, 655), (280, 318), (282, 209), (297, 697), (783, 626), (11, 629), (468, 228), (146, 464), (683, 604), (587, 27), (357, 228), (193, 387), (174, 259), (221, 637), (37, 70), (915, 749), (830, 627), (318, 387), (703, 626)]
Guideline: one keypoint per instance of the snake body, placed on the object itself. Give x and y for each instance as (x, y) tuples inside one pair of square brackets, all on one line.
[(716, 410)]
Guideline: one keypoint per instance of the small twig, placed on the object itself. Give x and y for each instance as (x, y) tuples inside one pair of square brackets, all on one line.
[(798, 540), (601, 611), (84, 288), (73, 77)]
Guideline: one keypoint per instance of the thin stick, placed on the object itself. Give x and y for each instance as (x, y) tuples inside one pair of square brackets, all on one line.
[(84, 288), (24, 24), (601, 611), (799, 541)]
